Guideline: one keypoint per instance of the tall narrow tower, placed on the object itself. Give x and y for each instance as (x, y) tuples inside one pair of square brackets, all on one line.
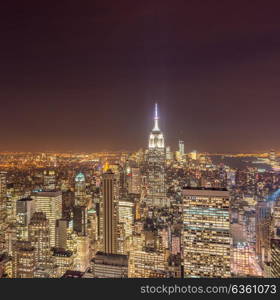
[(39, 237), (156, 192), (156, 140), (3, 207), (181, 148), (80, 189), (3, 195), (109, 214)]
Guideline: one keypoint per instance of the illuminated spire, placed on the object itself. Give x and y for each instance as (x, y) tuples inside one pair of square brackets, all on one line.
[(156, 139), (156, 118)]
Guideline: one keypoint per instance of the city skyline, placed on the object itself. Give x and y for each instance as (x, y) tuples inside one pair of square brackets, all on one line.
[(84, 78), (154, 213), (139, 140), (155, 118)]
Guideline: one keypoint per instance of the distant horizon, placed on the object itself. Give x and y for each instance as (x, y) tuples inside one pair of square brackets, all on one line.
[(85, 77), (133, 151)]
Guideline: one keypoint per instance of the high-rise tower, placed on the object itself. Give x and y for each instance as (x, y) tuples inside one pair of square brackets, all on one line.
[(109, 213), (39, 237), (206, 233), (3, 194), (156, 192), (156, 140), (49, 180), (181, 148), (80, 189), (49, 203), (3, 207), (24, 262)]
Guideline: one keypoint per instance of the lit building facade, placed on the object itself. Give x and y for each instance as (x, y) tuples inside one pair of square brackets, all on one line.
[(25, 208), (175, 245), (147, 264), (6, 266), (263, 233), (109, 213), (49, 180), (105, 265), (126, 216), (49, 203), (206, 233), (275, 258), (3, 192), (39, 237), (63, 260), (80, 190), (3, 207), (156, 189), (81, 261), (181, 148), (275, 241), (134, 181), (24, 262)]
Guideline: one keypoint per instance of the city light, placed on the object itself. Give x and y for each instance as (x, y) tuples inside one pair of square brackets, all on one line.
[(153, 213)]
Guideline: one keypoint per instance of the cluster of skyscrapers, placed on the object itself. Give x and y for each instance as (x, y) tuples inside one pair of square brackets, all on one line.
[(149, 214)]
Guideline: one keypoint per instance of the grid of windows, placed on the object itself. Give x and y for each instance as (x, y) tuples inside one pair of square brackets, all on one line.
[(206, 233)]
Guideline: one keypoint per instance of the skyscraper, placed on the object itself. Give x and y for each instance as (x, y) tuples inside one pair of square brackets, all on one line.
[(147, 264), (49, 203), (109, 213), (63, 260), (275, 258), (126, 215), (3, 194), (105, 265), (39, 237), (263, 233), (206, 232), (24, 263), (3, 184), (49, 180), (168, 154), (80, 220), (275, 241), (80, 189), (5, 266), (134, 181), (193, 155), (181, 148), (3, 208), (82, 257), (156, 191), (25, 207), (61, 233)]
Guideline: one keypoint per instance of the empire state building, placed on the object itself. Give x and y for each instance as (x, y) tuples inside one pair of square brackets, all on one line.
[(156, 191), (156, 140)]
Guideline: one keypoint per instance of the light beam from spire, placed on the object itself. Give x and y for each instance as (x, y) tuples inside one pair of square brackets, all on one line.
[(156, 118)]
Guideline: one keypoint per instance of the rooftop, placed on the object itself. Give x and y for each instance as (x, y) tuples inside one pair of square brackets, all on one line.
[(62, 252), (110, 259), (204, 189), (26, 199), (72, 274), (47, 193)]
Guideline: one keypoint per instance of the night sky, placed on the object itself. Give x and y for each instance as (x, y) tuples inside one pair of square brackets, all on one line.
[(84, 76)]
